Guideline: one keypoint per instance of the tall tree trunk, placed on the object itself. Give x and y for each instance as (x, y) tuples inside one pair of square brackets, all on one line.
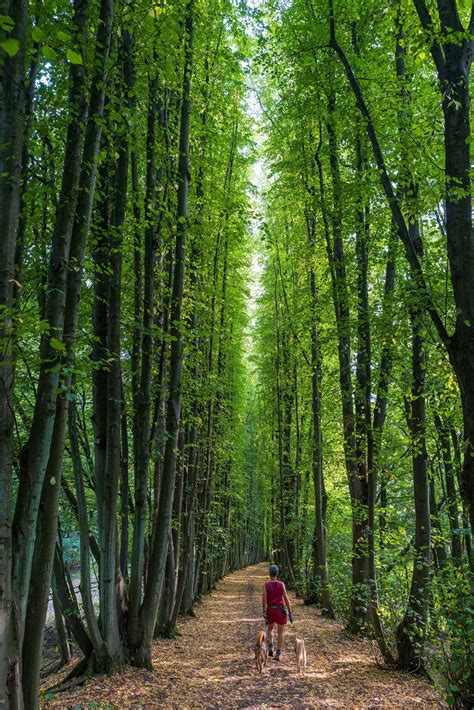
[(36, 451), (319, 540), (411, 631), (464, 515), (438, 547), (186, 583), (124, 487), (452, 54), (143, 394), (201, 576), (109, 612), (163, 624), (217, 398), (101, 276), (281, 536), (61, 632), (362, 399), (203, 581), (357, 485), (42, 565), (95, 634), (25, 169), (221, 353), (452, 51), (320, 560), (142, 654), (375, 443), (68, 603), (451, 493), (48, 513), (188, 536), (11, 147)]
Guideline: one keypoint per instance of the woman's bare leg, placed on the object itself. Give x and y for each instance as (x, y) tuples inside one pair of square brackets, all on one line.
[(281, 637), (270, 634)]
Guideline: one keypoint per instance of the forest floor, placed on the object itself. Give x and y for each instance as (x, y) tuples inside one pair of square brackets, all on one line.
[(211, 665)]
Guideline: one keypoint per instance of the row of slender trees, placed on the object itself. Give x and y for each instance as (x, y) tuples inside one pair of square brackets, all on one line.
[(123, 204), (148, 442), (365, 328)]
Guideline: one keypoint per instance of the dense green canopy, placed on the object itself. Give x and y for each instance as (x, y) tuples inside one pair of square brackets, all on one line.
[(237, 322)]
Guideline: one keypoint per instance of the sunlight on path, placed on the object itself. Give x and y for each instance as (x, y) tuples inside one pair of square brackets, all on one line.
[(211, 665)]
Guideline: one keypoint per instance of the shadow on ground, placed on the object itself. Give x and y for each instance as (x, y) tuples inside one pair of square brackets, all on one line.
[(211, 665)]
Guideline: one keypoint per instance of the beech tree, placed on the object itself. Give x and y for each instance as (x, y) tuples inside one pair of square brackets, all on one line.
[(236, 323)]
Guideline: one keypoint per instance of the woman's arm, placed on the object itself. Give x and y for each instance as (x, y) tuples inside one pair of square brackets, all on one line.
[(264, 600), (285, 598)]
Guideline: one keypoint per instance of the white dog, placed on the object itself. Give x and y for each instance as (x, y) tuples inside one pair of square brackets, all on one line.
[(300, 651)]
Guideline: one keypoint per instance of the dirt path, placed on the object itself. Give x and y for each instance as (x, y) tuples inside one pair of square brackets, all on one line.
[(211, 665)]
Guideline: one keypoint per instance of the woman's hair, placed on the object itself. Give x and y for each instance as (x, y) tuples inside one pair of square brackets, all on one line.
[(273, 571)]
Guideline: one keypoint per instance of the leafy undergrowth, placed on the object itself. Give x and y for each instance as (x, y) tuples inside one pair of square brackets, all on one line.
[(210, 665)]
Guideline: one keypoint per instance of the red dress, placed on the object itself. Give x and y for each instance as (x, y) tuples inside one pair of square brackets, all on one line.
[(274, 590)]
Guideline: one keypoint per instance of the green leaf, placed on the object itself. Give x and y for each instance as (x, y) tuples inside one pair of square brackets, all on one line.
[(11, 46), (48, 53), (63, 36), (57, 344), (74, 57), (6, 23), (38, 35)]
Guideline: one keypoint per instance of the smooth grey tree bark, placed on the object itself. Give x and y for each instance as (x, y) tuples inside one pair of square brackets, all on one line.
[(156, 567)]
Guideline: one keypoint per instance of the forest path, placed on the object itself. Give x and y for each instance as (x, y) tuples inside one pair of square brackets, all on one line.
[(211, 664)]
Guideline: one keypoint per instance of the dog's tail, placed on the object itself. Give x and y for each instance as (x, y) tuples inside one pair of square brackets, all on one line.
[(261, 637)]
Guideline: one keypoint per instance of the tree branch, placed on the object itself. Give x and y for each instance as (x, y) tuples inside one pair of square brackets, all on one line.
[(449, 16), (387, 183), (435, 48)]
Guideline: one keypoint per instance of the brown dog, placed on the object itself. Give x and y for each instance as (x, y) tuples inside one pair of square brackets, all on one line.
[(261, 651), (300, 651)]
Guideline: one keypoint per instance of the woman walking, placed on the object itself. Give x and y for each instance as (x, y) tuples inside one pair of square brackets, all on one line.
[(276, 610)]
